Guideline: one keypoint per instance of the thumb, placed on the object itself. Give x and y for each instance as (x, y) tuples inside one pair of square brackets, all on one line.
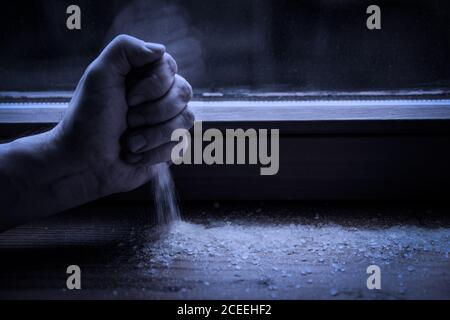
[(125, 53)]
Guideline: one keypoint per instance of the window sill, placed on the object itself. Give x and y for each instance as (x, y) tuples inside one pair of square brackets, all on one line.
[(329, 150)]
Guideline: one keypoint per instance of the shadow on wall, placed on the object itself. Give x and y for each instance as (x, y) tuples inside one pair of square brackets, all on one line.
[(169, 24)]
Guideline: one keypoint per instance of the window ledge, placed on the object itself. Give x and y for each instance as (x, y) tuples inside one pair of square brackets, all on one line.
[(333, 149), (224, 111)]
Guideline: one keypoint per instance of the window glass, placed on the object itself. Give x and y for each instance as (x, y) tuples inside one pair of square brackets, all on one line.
[(240, 45)]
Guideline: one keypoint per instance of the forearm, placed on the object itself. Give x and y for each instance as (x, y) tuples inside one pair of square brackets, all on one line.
[(38, 178)]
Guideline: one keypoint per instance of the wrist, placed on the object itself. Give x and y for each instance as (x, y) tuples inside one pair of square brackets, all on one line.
[(72, 181), (44, 177)]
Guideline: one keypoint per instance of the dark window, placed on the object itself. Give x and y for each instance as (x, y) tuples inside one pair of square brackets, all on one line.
[(268, 45)]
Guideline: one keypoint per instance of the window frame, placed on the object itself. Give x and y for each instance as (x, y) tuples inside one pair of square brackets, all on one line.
[(380, 138)]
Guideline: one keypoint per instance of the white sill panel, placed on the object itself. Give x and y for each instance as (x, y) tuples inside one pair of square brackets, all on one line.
[(220, 111)]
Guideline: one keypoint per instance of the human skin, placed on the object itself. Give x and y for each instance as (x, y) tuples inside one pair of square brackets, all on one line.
[(117, 127)]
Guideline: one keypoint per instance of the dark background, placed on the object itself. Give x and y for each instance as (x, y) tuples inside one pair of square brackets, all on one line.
[(253, 44)]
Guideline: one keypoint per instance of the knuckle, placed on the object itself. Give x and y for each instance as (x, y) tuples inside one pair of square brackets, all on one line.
[(119, 47), (188, 118), (149, 89), (122, 40), (185, 90), (172, 64)]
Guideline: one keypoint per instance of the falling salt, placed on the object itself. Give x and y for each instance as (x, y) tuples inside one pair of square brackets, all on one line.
[(163, 187)]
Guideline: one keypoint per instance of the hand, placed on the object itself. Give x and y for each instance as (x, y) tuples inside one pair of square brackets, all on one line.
[(117, 127), (122, 114)]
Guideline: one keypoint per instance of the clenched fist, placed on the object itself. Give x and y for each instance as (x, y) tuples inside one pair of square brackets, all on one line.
[(124, 111), (117, 127)]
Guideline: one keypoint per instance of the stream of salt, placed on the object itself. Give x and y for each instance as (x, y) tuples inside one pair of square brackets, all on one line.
[(165, 198)]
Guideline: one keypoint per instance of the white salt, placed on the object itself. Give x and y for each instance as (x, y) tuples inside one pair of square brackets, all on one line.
[(166, 206)]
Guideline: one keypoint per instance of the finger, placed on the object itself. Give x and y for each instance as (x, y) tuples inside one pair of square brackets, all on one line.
[(153, 81), (162, 110), (125, 53), (151, 157), (147, 138)]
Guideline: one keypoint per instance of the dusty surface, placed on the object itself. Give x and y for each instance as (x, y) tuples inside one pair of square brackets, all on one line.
[(234, 251)]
